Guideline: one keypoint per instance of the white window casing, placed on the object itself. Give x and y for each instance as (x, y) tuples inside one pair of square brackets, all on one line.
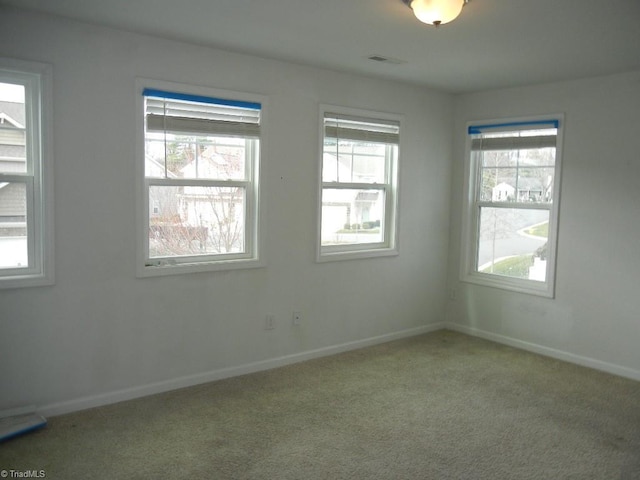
[(512, 198), (26, 174), (199, 152), (358, 184)]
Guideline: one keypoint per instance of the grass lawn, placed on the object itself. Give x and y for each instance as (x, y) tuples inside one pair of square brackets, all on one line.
[(541, 230), (512, 267)]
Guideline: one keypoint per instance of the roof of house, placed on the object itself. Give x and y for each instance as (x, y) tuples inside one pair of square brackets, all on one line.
[(12, 112), (524, 183)]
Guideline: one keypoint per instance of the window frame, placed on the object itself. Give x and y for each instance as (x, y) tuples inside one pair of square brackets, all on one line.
[(472, 206), (253, 203), (38, 176), (390, 244)]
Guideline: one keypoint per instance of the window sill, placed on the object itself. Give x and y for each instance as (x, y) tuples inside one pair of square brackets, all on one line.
[(23, 281), (187, 268), (335, 256), (540, 289)]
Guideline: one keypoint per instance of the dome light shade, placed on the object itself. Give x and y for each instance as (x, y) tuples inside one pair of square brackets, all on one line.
[(436, 12)]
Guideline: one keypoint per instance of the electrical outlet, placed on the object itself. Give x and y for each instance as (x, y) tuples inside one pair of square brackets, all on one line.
[(297, 318), (270, 322)]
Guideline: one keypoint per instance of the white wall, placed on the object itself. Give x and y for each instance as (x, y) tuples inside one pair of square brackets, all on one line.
[(100, 334), (595, 317)]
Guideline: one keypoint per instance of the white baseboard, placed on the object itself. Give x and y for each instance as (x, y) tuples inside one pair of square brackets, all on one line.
[(549, 352), (191, 380)]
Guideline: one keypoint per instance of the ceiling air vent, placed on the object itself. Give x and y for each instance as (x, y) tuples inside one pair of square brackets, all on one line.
[(383, 59)]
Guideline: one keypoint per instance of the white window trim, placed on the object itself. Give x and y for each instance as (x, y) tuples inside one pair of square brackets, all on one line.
[(37, 78), (390, 247), (255, 208), (468, 271)]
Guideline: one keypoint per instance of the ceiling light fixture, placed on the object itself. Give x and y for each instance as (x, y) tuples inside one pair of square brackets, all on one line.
[(436, 12)]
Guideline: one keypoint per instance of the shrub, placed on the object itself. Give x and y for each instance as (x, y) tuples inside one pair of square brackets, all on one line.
[(541, 252)]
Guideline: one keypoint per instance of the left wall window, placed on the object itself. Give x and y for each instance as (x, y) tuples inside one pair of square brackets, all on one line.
[(200, 176), (26, 193)]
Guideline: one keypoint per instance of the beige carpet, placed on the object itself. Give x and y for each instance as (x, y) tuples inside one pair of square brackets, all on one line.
[(437, 406)]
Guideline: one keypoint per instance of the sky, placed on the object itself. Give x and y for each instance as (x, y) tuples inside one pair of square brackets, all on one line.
[(11, 93)]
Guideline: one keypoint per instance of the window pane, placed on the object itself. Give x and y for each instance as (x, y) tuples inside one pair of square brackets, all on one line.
[(196, 220), (352, 216), (219, 158), (498, 184), (513, 174), (12, 129), (356, 162), (521, 184), (535, 184), (513, 242), (538, 157), (13, 225)]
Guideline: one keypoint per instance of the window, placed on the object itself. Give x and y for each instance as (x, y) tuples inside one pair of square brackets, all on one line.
[(358, 184), (512, 211), (200, 177), (26, 221)]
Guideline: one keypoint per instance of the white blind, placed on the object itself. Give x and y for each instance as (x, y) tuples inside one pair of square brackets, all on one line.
[(513, 143), (189, 114), (527, 135), (344, 127)]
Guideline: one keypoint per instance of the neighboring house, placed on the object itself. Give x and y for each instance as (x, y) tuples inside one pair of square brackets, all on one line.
[(214, 213), (191, 217), (502, 192), (162, 202), (348, 209), (12, 159), (529, 190)]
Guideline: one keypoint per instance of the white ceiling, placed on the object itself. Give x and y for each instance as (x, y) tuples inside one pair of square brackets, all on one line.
[(493, 44)]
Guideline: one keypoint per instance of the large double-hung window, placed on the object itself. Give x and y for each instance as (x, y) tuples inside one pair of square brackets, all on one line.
[(200, 196), (512, 204), (26, 193), (358, 184)]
